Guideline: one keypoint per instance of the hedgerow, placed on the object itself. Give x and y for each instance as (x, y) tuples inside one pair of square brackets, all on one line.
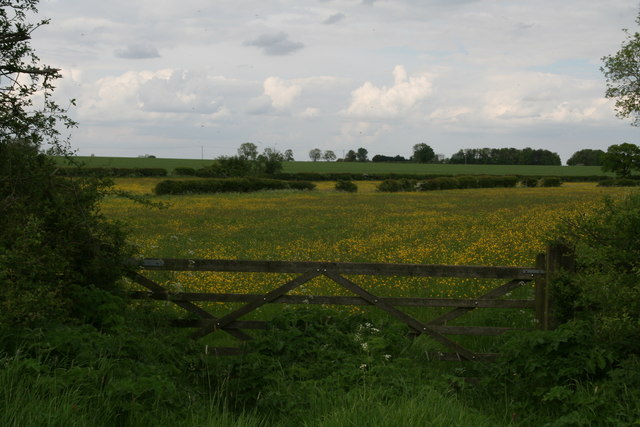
[(228, 185)]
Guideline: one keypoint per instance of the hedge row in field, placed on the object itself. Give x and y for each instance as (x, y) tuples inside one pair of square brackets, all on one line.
[(448, 183), (312, 176), (113, 172), (229, 185)]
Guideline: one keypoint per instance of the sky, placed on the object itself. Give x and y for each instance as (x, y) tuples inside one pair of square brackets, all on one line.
[(197, 78)]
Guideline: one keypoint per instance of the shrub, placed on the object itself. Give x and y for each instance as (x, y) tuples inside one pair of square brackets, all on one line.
[(347, 186), (529, 181), (467, 181), (395, 185), (550, 181), (184, 171)]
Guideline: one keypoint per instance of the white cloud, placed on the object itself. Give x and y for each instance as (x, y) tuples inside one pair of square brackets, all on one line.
[(534, 97), (387, 102), (281, 92)]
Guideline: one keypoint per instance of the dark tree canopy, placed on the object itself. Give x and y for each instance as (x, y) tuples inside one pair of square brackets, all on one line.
[(422, 153), (586, 157), (351, 156), (622, 71), (361, 154), (621, 159), (315, 154)]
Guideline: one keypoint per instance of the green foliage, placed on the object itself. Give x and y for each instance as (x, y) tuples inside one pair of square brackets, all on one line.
[(440, 183), (586, 157), (561, 376), (229, 185), (52, 236), (623, 83), (395, 185), (606, 288), (311, 351), (347, 186), (585, 372), (505, 156), (529, 181), (621, 159), (183, 171), (115, 378), (422, 153), (550, 181)]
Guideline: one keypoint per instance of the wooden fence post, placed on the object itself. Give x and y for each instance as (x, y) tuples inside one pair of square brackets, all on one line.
[(541, 300), (559, 258)]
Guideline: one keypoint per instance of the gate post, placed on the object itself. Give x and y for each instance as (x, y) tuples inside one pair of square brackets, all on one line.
[(541, 298), (559, 257)]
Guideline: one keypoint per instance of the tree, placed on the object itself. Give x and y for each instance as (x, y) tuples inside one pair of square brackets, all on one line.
[(621, 159), (288, 155), (329, 156), (586, 157), (248, 150), (622, 71), (56, 250), (422, 153), (315, 154), (351, 156), (270, 161), (361, 155)]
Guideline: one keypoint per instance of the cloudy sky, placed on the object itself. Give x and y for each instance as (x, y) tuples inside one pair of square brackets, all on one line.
[(181, 78)]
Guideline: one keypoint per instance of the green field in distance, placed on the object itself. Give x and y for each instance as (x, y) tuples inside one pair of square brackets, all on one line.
[(356, 167)]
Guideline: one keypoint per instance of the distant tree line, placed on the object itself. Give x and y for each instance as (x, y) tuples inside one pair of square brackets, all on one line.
[(505, 156)]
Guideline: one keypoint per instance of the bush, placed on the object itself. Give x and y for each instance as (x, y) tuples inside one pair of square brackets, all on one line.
[(184, 171), (347, 186), (467, 181), (550, 181), (529, 181), (441, 183), (395, 185), (229, 185)]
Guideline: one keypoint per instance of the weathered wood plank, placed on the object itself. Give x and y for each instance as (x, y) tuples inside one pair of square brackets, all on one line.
[(344, 268), (336, 300)]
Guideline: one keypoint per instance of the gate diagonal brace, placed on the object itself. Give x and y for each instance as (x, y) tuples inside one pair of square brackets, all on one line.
[(256, 303), (460, 311), (400, 315), (189, 306)]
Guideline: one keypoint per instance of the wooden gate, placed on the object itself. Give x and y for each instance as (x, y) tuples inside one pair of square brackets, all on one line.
[(436, 328)]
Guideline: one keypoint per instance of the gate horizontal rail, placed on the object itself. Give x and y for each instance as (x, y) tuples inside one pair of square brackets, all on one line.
[(348, 268)]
